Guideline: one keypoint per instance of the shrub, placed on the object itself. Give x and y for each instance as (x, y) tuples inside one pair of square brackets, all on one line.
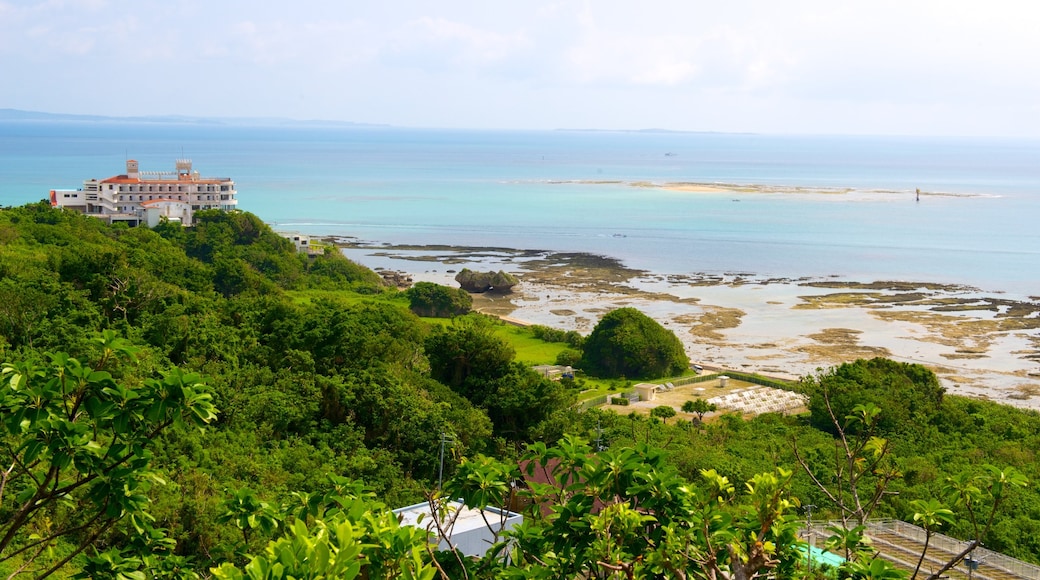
[(434, 300), (626, 342), (663, 412), (907, 394), (546, 333), (569, 357)]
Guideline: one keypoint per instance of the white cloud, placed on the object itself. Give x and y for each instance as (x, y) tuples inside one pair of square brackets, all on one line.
[(307, 45), (474, 44), (615, 58), (705, 57), (803, 64)]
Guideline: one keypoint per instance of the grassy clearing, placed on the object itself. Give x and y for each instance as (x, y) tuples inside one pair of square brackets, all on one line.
[(347, 297), (529, 350), (592, 388)]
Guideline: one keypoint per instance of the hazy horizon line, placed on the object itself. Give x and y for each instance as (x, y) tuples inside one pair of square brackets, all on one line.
[(12, 114)]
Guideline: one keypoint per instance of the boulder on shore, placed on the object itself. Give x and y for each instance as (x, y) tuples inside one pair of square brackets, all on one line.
[(395, 279), (479, 282)]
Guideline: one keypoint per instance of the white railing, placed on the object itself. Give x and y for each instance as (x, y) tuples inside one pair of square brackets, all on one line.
[(987, 559)]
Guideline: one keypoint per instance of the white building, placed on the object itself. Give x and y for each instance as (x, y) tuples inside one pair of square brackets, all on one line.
[(145, 197), (467, 529)]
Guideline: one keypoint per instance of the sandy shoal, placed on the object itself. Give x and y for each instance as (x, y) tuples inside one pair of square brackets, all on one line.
[(697, 188)]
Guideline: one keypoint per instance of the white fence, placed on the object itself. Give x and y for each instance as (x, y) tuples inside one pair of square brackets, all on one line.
[(988, 559)]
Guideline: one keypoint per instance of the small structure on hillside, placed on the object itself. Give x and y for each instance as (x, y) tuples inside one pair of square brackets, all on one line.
[(535, 472), (301, 242), (470, 531), (646, 391), (554, 372)]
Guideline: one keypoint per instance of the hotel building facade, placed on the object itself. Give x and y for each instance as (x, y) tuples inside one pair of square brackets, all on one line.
[(147, 197)]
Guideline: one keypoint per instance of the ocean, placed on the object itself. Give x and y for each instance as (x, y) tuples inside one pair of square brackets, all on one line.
[(789, 206)]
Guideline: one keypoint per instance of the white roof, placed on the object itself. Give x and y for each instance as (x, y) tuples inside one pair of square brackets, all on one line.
[(420, 516)]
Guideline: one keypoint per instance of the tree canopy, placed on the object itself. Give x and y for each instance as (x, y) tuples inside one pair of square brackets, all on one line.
[(437, 301), (905, 393), (628, 343)]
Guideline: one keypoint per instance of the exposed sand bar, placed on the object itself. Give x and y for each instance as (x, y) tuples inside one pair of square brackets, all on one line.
[(736, 188), (980, 344)]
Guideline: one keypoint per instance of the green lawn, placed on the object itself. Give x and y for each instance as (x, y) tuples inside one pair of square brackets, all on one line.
[(347, 297), (529, 350)]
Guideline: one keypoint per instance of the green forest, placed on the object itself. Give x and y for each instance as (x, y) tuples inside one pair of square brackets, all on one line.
[(207, 402)]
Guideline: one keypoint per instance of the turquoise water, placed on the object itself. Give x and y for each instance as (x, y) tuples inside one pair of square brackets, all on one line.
[(819, 556), (487, 188)]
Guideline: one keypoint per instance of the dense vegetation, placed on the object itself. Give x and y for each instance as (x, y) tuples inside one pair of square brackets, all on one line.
[(176, 400), (436, 301), (628, 343)]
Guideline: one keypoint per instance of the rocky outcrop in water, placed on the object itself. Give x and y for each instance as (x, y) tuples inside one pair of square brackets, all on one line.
[(479, 282)]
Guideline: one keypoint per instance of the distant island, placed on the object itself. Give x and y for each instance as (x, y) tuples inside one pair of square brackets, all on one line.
[(40, 116), (655, 130), (20, 115)]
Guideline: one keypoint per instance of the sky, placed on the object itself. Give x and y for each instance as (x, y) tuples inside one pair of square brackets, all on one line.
[(908, 67)]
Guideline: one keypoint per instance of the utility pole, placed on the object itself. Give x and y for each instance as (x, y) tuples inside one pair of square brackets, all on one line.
[(445, 439)]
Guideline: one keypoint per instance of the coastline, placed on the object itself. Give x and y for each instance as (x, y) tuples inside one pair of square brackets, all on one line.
[(980, 344)]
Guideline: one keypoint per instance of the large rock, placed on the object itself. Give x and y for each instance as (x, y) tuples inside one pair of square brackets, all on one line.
[(478, 282), (394, 279)]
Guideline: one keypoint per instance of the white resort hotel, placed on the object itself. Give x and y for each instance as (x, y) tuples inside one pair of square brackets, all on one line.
[(146, 197)]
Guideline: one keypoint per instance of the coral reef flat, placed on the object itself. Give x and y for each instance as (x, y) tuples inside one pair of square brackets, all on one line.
[(980, 344)]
